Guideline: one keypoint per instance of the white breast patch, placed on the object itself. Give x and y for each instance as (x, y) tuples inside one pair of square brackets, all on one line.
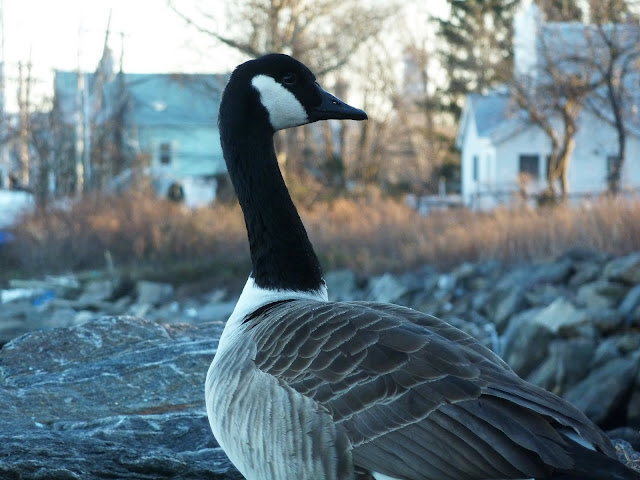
[(284, 109)]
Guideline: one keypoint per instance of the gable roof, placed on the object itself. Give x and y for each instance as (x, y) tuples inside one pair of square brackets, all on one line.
[(152, 99), (175, 99), (495, 116), (498, 118)]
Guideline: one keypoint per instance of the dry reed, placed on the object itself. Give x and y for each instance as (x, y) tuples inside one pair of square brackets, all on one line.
[(370, 234)]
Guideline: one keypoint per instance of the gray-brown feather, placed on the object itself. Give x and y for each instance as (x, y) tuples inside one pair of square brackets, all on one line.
[(417, 397)]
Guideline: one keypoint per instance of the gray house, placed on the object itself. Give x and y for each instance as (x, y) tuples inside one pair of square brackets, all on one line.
[(164, 125)]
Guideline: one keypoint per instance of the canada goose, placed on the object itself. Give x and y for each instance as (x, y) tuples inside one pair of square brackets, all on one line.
[(303, 388)]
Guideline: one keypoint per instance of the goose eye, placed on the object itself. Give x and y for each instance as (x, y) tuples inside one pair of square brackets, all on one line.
[(289, 79)]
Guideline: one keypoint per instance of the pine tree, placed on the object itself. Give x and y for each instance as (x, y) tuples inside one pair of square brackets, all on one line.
[(476, 52), (561, 10)]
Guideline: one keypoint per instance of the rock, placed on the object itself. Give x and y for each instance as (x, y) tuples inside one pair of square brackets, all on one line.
[(627, 455), (563, 318), (62, 317), (628, 343), (601, 294), (218, 312), (525, 342), (446, 282), (340, 284), (606, 320), (601, 395), (95, 293), (414, 282), (519, 276), (553, 272), (479, 328), (386, 289), (63, 285), (509, 305), (561, 314), (153, 293), (464, 273), (585, 272), (568, 363), (633, 408), (584, 254), (634, 318), (480, 301), (606, 350), (543, 294), (114, 398), (21, 316), (630, 302), (625, 269), (14, 294), (627, 434)]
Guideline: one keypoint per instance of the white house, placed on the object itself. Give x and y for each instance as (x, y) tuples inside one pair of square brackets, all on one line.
[(499, 147)]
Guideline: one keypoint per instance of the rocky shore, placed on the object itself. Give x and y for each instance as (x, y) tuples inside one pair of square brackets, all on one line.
[(102, 376)]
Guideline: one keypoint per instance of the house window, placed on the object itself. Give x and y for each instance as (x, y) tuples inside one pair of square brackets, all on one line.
[(165, 153), (613, 164), (476, 168), (529, 165)]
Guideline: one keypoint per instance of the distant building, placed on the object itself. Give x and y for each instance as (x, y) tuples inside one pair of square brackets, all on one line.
[(115, 126), (500, 148)]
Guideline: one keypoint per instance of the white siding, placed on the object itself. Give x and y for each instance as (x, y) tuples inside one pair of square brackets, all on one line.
[(499, 164), (595, 141), (532, 141)]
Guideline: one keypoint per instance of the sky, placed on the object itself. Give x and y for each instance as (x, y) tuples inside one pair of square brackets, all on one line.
[(65, 34)]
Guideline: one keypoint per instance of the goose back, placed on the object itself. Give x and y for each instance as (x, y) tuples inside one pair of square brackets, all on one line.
[(416, 397)]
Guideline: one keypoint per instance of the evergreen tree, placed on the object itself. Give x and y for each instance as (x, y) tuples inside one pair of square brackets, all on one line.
[(476, 51), (561, 10)]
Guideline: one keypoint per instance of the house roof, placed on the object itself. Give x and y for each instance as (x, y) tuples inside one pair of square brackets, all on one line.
[(495, 115), (498, 118), (489, 111), (161, 99), (563, 38), (153, 99)]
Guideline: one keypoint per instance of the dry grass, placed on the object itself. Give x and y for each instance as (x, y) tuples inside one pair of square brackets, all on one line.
[(369, 235), (383, 234)]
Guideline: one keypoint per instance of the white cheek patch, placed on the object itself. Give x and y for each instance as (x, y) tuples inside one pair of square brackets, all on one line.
[(284, 109)]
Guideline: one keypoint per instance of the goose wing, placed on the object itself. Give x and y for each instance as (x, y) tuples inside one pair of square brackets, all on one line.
[(417, 397)]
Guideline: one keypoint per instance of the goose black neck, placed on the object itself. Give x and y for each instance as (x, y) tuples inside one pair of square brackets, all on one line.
[(282, 256)]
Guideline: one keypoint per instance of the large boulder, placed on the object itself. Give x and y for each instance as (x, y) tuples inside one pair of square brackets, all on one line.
[(526, 342), (118, 397), (604, 393), (626, 269)]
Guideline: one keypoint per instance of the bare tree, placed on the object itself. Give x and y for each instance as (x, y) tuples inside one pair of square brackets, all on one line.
[(324, 34), (430, 128), (42, 142), (615, 54), (24, 104), (553, 96)]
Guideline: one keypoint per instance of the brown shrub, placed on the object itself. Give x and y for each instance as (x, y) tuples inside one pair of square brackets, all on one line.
[(370, 234)]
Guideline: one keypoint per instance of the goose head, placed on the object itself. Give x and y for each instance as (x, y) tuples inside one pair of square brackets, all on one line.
[(262, 96), (275, 92)]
